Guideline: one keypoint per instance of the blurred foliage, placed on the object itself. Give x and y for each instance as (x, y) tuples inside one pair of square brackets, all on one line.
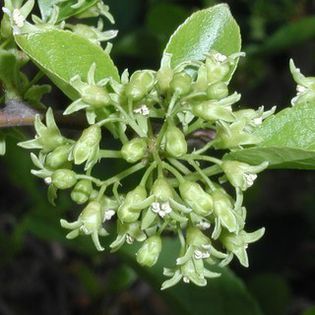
[(64, 277)]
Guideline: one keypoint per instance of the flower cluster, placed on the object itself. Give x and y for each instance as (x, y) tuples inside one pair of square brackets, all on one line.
[(182, 187)]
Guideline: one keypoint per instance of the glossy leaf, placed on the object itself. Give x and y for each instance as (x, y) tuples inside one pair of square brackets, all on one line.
[(224, 295), (212, 28), (288, 140), (62, 55)]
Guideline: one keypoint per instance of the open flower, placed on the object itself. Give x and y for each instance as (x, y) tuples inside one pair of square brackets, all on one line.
[(242, 175), (89, 222), (47, 137), (94, 95), (305, 85), (237, 244)]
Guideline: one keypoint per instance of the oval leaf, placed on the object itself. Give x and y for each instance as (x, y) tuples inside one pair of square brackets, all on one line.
[(212, 28), (62, 55), (288, 140)]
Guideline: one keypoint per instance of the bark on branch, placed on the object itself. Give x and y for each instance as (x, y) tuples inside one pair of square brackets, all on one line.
[(17, 113)]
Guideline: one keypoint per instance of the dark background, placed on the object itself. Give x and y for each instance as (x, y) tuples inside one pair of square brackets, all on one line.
[(41, 276)]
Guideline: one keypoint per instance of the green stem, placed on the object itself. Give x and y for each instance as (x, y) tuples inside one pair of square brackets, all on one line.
[(36, 78), (194, 156), (202, 175), (109, 154), (96, 181), (198, 124), (110, 119), (181, 167), (171, 105), (117, 178), (174, 171), (205, 147), (147, 173)]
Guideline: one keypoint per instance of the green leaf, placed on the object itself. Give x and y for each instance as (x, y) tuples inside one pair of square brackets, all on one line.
[(212, 28), (288, 140), (61, 55), (224, 295), (272, 292), (66, 11)]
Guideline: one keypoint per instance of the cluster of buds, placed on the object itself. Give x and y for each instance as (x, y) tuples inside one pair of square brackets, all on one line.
[(16, 14), (181, 188)]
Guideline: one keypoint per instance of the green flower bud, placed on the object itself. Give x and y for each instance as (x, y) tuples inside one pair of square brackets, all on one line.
[(211, 111), (91, 217), (223, 209), (217, 91), (134, 150), (87, 146), (196, 238), (150, 251), (63, 178), (58, 158), (126, 212), (200, 202), (175, 142), (242, 175), (82, 191), (217, 67), (234, 135), (140, 84), (162, 190), (165, 75), (96, 96), (181, 83)]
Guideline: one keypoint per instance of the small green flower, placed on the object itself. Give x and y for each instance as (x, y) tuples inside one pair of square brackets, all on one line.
[(165, 74), (305, 86), (238, 243), (213, 110), (58, 158), (94, 95), (129, 211), (127, 232), (134, 150), (192, 270), (94, 34), (82, 191), (47, 137), (139, 85), (150, 251), (175, 142), (181, 83), (196, 198), (87, 147), (235, 135), (63, 178), (89, 223), (242, 175)]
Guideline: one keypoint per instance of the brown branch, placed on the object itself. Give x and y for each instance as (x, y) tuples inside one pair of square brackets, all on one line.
[(17, 113)]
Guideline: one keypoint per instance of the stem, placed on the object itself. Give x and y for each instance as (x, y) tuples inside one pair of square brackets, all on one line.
[(147, 173), (193, 156), (205, 147), (96, 181), (110, 119), (174, 171), (181, 167), (171, 105), (125, 173), (202, 175), (198, 124), (36, 78), (109, 154)]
